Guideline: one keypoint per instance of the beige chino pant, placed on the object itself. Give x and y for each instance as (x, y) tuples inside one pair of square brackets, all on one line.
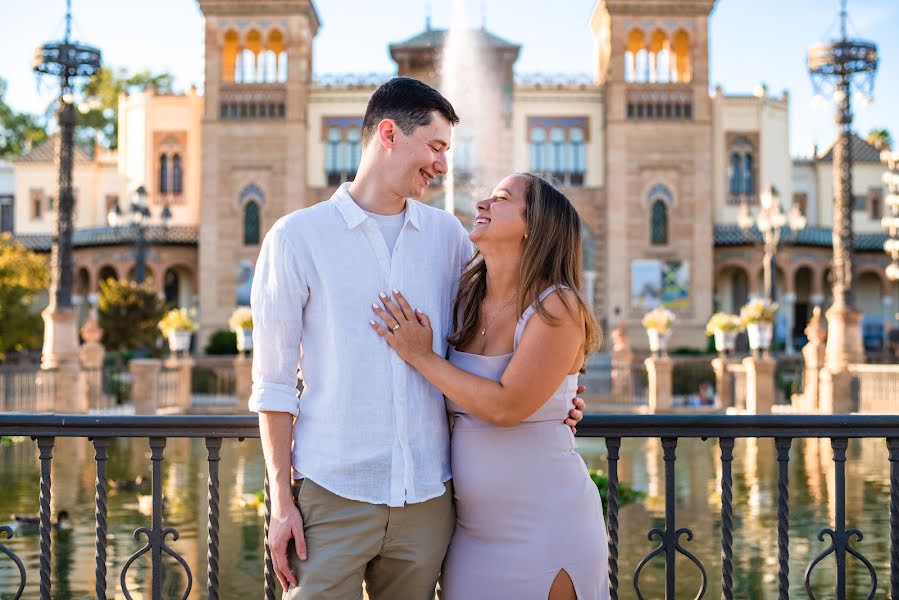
[(397, 551)]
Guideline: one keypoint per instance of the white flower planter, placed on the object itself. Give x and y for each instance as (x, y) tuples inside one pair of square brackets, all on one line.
[(179, 341), (725, 341), (244, 339), (658, 340), (760, 334)]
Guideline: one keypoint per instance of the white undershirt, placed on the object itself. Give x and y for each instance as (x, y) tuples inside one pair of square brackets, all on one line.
[(390, 226)]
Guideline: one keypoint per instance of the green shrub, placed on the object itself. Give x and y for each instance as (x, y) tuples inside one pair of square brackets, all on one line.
[(626, 494), (222, 341)]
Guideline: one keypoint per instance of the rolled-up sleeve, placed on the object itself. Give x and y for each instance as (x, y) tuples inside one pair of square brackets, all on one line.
[(277, 299)]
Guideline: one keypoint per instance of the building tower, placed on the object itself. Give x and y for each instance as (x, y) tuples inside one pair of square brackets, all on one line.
[(258, 74), (652, 59)]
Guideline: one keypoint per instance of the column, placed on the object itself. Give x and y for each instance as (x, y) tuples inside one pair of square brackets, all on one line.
[(759, 384), (144, 384), (724, 380), (658, 370)]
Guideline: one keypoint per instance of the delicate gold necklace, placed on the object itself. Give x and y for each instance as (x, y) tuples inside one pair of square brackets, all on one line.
[(497, 313)]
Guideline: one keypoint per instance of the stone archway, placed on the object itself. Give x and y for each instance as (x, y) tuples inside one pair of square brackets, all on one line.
[(178, 286), (732, 287)]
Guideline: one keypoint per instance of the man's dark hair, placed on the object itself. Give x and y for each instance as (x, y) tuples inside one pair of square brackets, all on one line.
[(407, 101)]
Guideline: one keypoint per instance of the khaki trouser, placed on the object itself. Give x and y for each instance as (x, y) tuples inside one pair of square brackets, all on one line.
[(397, 551)]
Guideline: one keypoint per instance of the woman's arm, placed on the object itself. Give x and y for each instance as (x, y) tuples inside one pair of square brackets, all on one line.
[(543, 358)]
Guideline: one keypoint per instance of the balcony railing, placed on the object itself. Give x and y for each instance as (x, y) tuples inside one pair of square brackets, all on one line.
[(613, 428)]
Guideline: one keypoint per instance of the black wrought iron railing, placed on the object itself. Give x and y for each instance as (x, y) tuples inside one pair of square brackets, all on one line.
[(45, 429)]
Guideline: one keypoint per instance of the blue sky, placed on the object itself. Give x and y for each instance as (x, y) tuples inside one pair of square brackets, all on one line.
[(751, 41)]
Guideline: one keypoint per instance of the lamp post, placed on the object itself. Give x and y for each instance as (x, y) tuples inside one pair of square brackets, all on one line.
[(65, 60), (772, 222), (838, 67), (890, 222), (138, 218)]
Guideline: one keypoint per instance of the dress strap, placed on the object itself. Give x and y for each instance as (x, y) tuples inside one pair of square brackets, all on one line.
[(529, 312)]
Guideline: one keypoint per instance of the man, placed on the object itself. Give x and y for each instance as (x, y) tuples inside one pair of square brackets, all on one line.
[(371, 498)]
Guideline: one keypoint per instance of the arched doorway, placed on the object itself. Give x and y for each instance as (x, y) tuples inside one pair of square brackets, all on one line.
[(803, 279), (868, 289), (732, 288), (106, 272), (178, 287)]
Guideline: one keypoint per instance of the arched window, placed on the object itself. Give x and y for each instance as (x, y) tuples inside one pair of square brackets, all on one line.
[(538, 149), (741, 170), (658, 223), (636, 42), (275, 43), (680, 47), (177, 175), (163, 174), (251, 223), (230, 50)]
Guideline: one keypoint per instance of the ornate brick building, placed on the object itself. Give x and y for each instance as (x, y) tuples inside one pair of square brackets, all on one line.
[(656, 164)]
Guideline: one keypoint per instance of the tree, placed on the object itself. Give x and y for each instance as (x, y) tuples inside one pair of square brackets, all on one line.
[(128, 314), (17, 130), (880, 139), (23, 275), (100, 119)]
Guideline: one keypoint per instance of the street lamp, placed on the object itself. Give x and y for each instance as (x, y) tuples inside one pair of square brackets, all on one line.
[(138, 218), (891, 221), (771, 221), (65, 60), (836, 67)]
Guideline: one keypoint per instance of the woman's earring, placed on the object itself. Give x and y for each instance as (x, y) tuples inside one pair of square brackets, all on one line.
[(525, 236)]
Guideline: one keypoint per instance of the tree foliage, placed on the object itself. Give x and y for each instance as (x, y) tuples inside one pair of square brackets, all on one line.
[(23, 275), (880, 139), (17, 130), (105, 87), (128, 314)]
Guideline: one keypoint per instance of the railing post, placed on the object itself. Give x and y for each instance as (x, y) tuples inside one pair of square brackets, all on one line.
[(759, 384), (144, 385), (622, 366), (783, 517), (835, 391), (45, 444), (183, 366), (723, 381), (727, 518), (243, 381), (101, 446), (658, 371)]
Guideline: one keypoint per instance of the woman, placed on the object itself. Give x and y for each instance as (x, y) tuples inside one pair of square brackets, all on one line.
[(529, 519)]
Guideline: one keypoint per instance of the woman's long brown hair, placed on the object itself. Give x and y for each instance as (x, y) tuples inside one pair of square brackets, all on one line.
[(552, 256)]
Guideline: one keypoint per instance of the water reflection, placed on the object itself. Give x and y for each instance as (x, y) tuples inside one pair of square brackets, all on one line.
[(697, 493)]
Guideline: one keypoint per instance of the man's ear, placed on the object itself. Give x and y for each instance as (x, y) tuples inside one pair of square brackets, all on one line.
[(387, 131)]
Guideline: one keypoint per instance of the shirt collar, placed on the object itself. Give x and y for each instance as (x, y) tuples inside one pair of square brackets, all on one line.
[(354, 216)]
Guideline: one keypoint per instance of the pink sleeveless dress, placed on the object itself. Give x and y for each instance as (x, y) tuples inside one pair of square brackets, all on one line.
[(526, 507)]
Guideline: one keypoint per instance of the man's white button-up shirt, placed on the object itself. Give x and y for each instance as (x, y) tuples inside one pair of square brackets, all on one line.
[(368, 426)]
